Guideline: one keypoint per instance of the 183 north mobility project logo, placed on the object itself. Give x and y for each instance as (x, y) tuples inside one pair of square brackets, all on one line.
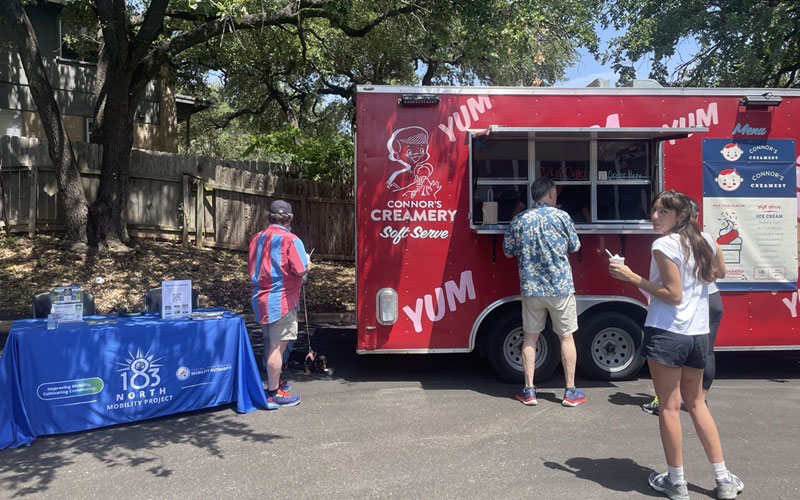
[(140, 382)]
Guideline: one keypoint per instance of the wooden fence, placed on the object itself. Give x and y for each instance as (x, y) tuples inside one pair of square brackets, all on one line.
[(163, 198)]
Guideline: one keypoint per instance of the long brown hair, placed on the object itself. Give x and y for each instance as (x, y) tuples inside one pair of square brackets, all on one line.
[(689, 232)]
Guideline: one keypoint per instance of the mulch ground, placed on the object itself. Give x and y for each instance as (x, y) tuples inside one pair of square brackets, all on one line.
[(29, 266)]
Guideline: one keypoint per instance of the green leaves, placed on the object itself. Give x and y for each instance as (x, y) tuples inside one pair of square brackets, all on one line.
[(301, 77), (740, 43), (322, 157)]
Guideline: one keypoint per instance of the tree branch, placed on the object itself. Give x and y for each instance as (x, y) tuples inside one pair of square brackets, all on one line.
[(176, 14), (359, 32), (114, 26), (682, 69), (790, 69), (289, 15), (333, 89), (151, 27), (431, 67), (227, 119)]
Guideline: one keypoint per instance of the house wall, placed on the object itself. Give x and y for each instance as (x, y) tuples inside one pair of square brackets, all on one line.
[(32, 126), (73, 82)]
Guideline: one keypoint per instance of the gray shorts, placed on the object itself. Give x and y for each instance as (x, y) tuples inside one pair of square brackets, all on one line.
[(283, 329), (674, 349)]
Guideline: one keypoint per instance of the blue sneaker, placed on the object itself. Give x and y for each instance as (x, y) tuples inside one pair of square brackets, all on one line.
[(283, 398), (573, 397), (271, 405), (283, 385), (527, 395)]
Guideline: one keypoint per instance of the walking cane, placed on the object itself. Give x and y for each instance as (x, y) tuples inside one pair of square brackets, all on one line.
[(312, 358), (311, 354)]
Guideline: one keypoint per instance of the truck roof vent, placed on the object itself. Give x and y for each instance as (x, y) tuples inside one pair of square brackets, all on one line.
[(600, 82), (642, 83)]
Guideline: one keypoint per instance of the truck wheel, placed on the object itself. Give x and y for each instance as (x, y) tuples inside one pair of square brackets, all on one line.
[(505, 351), (608, 347)]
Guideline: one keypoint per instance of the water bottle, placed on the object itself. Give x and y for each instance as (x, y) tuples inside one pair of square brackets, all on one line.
[(52, 322)]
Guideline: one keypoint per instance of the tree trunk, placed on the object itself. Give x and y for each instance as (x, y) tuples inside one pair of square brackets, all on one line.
[(109, 213), (58, 141), (116, 98)]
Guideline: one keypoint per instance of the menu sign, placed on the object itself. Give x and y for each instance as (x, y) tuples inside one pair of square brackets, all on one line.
[(750, 208), (176, 299)]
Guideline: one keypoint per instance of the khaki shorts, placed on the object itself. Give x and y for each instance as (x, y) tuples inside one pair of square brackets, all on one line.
[(563, 314), (283, 329)]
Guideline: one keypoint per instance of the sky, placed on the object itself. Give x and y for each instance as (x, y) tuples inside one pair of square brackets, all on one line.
[(588, 69)]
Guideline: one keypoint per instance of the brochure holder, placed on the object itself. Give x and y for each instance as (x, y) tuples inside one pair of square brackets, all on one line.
[(67, 304)]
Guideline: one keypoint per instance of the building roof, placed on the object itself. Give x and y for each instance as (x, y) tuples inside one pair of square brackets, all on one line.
[(187, 105)]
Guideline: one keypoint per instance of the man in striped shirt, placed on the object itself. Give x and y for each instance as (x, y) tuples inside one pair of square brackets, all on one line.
[(278, 262)]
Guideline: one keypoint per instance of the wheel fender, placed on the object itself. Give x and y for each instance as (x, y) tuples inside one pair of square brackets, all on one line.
[(476, 325)]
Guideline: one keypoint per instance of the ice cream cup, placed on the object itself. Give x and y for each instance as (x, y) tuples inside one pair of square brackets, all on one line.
[(616, 259)]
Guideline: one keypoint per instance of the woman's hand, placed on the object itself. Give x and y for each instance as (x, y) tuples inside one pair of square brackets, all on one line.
[(670, 292), (622, 272)]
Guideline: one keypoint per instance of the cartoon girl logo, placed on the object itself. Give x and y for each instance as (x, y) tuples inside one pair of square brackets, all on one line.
[(729, 179)]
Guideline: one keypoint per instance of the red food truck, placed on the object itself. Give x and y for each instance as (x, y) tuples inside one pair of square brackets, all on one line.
[(441, 171)]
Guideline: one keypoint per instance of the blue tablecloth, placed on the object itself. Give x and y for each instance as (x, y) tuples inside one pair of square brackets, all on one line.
[(82, 376)]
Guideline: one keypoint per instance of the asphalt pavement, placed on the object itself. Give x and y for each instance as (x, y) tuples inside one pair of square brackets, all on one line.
[(426, 427)]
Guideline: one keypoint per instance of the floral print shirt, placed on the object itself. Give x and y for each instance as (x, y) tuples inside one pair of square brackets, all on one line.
[(540, 238)]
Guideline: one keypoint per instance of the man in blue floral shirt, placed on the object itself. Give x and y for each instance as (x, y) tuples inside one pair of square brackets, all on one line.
[(540, 238)]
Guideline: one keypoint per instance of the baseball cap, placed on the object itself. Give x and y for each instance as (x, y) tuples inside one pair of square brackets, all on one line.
[(280, 207)]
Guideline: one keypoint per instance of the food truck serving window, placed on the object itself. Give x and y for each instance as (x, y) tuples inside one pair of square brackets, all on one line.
[(605, 177)]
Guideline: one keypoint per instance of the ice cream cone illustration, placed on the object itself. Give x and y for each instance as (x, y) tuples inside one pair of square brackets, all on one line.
[(729, 240)]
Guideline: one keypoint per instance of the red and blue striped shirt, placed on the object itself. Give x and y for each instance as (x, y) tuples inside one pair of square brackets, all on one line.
[(277, 263)]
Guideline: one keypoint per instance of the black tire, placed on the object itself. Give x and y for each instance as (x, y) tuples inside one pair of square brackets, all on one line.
[(504, 350), (609, 347)]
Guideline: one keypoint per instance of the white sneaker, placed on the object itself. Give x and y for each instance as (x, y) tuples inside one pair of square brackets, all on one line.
[(661, 482), (727, 489)]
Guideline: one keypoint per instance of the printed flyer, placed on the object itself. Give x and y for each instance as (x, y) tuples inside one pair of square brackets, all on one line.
[(176, 299), (67, 303), (750, 208)]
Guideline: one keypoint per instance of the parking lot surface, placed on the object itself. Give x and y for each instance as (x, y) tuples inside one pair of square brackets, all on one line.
[(426, 427)]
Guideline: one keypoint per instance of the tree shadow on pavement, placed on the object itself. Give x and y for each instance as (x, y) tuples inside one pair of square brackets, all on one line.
[(32, 470)]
